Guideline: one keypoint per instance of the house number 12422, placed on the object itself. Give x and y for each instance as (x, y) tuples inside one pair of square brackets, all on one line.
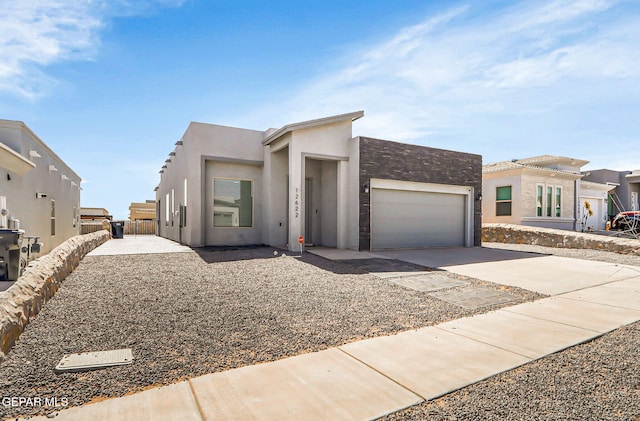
[(296, 202)]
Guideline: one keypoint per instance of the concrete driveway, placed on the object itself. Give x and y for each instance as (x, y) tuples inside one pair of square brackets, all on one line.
[(551, 275)]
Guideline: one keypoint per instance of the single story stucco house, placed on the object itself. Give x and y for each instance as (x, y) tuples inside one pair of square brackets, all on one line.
[(543, 191), (229, 186)]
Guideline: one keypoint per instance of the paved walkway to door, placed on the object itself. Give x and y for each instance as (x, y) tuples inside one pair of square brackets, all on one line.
[(139, 244)]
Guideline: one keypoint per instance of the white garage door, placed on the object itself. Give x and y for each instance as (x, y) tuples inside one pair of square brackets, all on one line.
[(411, 219)]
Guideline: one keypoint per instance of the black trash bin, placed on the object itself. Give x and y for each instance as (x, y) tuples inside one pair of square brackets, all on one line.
[(117, 229)]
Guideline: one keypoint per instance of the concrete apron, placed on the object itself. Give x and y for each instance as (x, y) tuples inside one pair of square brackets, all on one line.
[(550, 275), (368, 379)]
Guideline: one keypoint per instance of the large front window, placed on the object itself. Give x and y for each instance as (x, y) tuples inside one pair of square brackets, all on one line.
[(232, 203), (548, 201)]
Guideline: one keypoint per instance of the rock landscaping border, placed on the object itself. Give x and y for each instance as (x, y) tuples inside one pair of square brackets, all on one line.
[(40, 281), (521, 234)]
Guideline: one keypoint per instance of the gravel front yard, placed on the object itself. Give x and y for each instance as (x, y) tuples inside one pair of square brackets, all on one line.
[(188, 314), (598, 380)]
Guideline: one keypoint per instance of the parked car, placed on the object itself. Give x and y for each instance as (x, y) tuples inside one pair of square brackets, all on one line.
[(629, 220)]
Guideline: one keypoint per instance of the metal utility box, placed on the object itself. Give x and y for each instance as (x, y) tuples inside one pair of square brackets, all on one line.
[(10, 254)]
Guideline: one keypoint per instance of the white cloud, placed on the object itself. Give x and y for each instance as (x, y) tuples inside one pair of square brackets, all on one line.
[(538, 14), (37, 33), (459, 78)]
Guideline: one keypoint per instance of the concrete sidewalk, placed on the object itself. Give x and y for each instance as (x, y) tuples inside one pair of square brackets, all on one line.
[(139, 244), (371, 378)]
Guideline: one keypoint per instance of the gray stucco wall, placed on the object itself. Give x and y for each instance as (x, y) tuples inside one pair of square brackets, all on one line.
[(399, 161), (202, 144), (34, 212), (623, 190)]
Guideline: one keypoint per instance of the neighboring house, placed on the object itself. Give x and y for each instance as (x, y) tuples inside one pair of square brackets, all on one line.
[(94, 214), (142, 211), (231, 186), (94, 219), (40, 190), (625, 188), (543, 191)]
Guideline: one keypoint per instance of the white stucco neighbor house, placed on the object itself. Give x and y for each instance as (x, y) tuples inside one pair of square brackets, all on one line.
[(225, 186), (37, 187), (543, 191)]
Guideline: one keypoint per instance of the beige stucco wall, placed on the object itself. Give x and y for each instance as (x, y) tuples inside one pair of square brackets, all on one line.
[(529, 183), (35, 213), (492, 181)]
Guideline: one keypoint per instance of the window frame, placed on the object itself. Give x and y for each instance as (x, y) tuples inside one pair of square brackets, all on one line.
[(549, 200), (173, 204), (213, 202), (185, 192), (503, 201), (539, 199), (166, 210), (53, 217)]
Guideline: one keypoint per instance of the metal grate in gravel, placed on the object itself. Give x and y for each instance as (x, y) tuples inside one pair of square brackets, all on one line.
[(386, 268), (430, 282), (474, 297), (94, 360)]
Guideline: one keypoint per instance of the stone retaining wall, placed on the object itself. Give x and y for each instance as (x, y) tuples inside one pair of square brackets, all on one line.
[(40, 281), (520, 234)]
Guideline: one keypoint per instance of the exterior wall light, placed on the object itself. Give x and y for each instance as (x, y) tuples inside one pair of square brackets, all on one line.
[(365, 187)]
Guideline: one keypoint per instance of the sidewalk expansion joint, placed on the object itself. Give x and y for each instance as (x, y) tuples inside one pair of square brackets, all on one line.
[(582, 300), (591, 286), (195, 398), (381, 373), (486, 343), (554, 321)]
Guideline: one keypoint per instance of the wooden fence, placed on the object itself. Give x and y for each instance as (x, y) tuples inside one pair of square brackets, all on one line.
[(86, 228), (146, 227)]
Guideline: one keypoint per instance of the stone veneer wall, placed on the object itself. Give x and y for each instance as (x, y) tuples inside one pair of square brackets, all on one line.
[(520, 234), (42, 278), (399, 161)]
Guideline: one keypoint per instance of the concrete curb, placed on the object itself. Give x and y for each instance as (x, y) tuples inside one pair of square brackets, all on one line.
[(521, 234), (42, 278)]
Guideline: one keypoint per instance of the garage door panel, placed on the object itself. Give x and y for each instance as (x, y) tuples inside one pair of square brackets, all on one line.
[(406, 219)]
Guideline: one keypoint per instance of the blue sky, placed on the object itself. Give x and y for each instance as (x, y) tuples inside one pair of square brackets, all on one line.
[(111, 85)]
